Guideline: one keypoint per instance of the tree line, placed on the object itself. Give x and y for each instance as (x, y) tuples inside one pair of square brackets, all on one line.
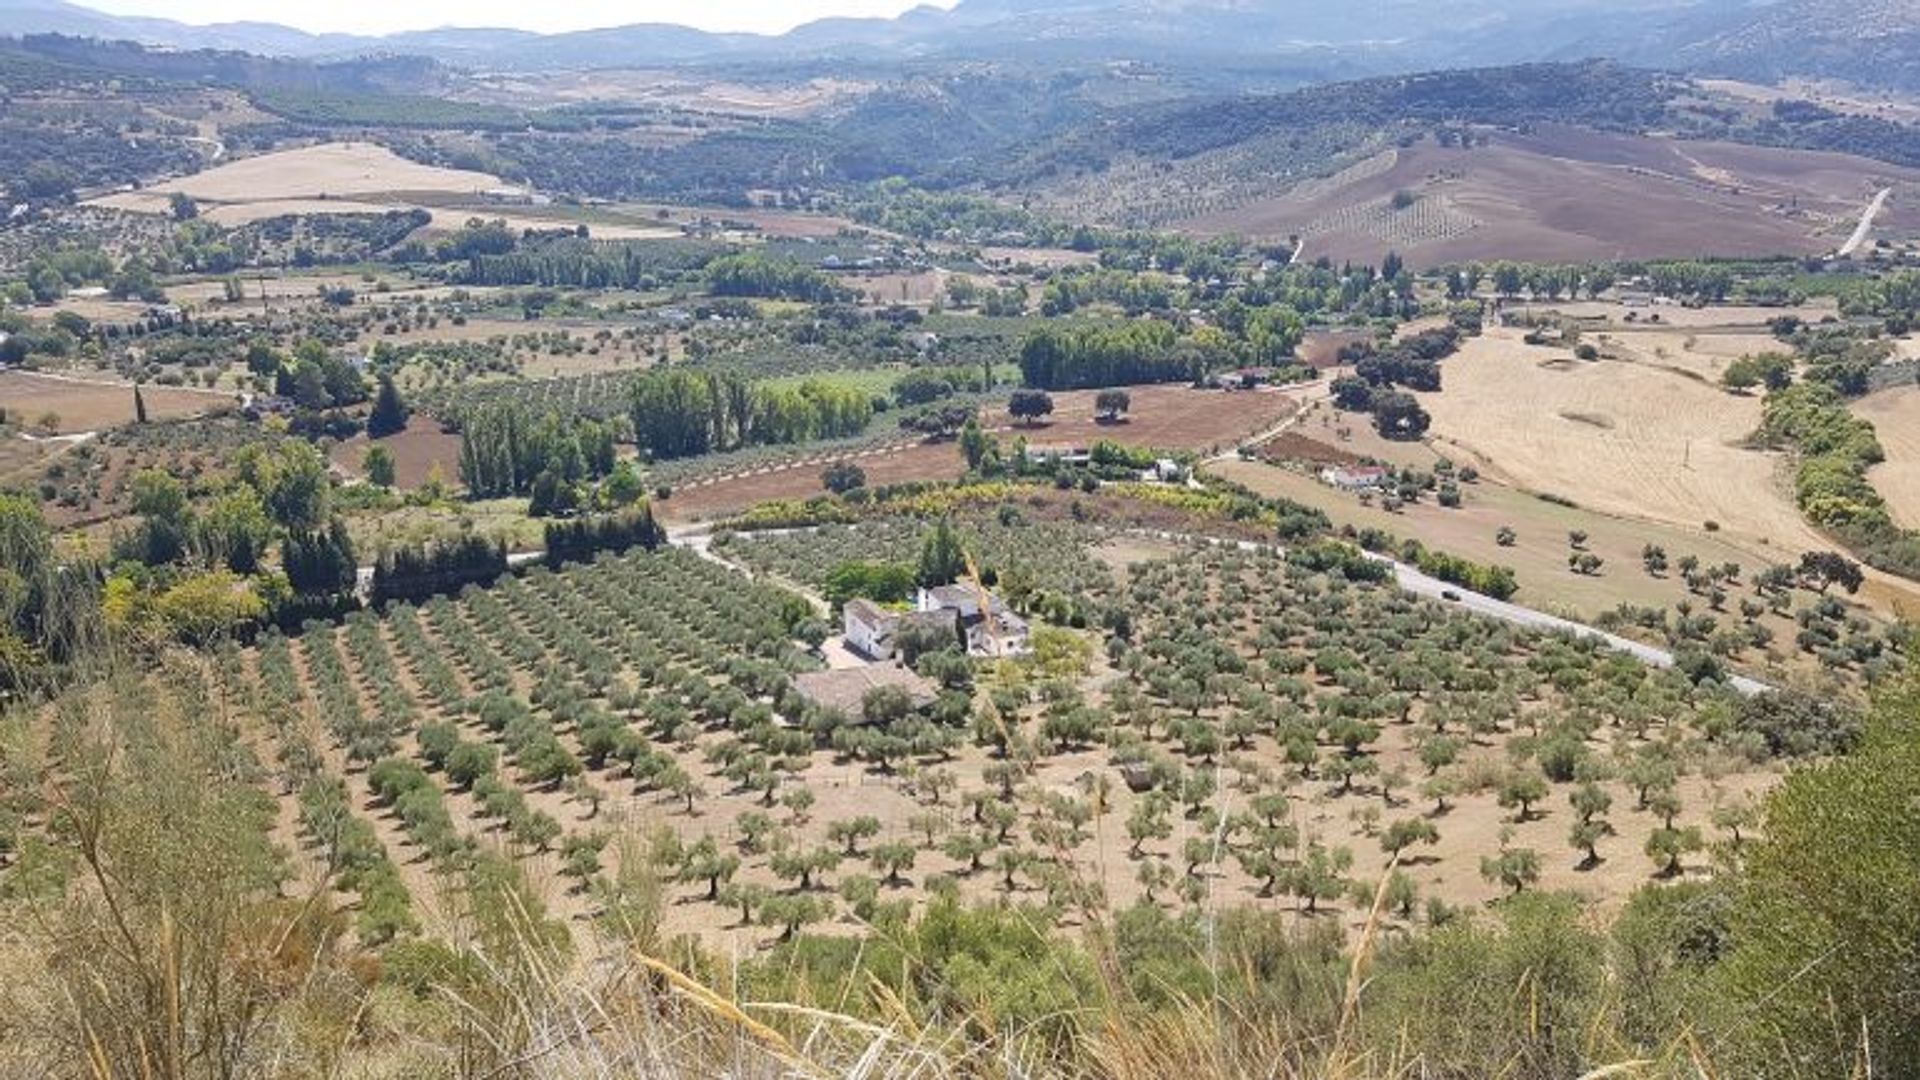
[(1084, 357), (506, 448), (685, 414)]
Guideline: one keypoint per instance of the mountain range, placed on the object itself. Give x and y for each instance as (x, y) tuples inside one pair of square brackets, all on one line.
[(1866, 41)]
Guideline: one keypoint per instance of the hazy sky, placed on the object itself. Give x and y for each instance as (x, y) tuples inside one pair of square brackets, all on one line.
[(386, 16)]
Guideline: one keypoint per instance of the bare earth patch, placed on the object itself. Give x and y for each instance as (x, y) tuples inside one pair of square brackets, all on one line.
[(417, 452)]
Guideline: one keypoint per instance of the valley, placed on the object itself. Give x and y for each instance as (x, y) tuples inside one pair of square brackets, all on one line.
[(1097, 539)]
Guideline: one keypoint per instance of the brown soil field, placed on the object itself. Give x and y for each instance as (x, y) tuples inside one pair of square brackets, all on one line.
[(416, 451), (1164, 417), (1472, 828), (1292, 446), (1568, 195), (1895, 415), (924, 461), (90, 406)]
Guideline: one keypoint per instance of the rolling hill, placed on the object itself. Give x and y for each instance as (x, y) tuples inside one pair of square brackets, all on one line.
[(1872, 42)]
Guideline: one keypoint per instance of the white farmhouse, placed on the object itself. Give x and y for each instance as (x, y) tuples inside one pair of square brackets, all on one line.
[(868, 628), (1354, 477)]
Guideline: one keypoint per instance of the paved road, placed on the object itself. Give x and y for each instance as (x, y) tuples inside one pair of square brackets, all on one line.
[(1413, 581), (1865, 228), (699, 540)]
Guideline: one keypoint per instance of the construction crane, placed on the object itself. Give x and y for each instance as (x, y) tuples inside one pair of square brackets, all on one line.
[(985, 600)]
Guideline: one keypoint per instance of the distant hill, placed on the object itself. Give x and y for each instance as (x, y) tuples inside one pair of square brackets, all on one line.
[(1869, 41)]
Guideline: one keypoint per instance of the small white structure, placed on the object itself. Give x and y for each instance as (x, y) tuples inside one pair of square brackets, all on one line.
[(1165, 471), (1064, 455), (1354, 477)]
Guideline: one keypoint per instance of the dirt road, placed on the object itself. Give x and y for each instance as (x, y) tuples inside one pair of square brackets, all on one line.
[(1865, 228)]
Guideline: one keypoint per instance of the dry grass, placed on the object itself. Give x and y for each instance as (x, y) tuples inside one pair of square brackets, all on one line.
[(327, 171), (89, 406), (1649, 443), (1895, 415)]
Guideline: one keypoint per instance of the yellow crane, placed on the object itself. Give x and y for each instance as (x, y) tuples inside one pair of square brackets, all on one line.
[(985, 599)]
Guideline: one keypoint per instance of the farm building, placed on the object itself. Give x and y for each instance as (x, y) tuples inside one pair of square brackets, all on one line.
[(995, 632), (873, 632), (1354, 477), (1165, 471), (1063, 455), (846, 689), (868, 628)]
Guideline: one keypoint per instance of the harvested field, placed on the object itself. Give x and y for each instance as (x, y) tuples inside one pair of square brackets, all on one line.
[(1539, 553), (1052, 258), (1719, 318), (1699, 355), (1566, 195), (305, 287), (1666, 447), (97, 309), (916, 289), (80, 405), (329, 171), (1895, 415)]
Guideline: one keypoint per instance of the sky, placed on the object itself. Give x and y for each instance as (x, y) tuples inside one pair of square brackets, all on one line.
[(388, 16)]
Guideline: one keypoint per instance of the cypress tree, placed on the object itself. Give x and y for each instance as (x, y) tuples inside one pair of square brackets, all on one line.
[(389, 411)]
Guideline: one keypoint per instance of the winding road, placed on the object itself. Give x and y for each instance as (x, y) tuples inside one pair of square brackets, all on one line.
[(699, 539), (1420, 584)]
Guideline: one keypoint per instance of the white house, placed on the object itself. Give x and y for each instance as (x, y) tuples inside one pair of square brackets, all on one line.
[(868, 628), (1354, 477), (874, 632)]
